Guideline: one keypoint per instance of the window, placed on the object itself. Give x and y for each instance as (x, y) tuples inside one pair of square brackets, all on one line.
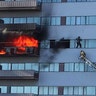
[(78, 90), (6, 66), (7, 20), (19, 20), (68, 66), (33, 20), (89, 91), (68, 20), (35, 66), (3, 89), (44, 66), (28, 66), (43, 90), (68, 90), (15, 66), (78, 20), (79, 66), (16, 89), (92, 20), (83, 20), (48, 90), (34, 90), (53, 90), (45, 44), (55, 21), (54, 67), (90, 43), (72, 20), (27, 89)]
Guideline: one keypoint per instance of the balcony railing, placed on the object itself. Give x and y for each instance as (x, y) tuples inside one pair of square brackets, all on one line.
[(15, 75), (20, 5)]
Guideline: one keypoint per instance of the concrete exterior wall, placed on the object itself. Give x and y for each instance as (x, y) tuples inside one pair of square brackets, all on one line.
[(68, 79), (62, 55)]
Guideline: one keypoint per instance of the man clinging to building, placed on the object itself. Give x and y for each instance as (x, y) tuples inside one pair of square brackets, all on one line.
[(78, 40)]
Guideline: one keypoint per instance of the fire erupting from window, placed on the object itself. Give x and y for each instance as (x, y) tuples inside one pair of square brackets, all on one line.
[(22, 44)]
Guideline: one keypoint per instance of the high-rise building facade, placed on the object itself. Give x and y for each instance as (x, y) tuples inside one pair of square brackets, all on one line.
[(40, 46)]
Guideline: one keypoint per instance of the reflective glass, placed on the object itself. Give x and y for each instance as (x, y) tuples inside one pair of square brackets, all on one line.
[(72, 20), (90, 43), (78, 90), (35, 66), (3, 89), (15, 66), (43, 90), (92, 20), (19, 20), (7, 20), (69, 67), (44, 66), (90, 91), (68, 20), (34, 90), (45, 44), (28, 66), (83, 20), (6, 66), (68, 90), (78, 20), (27, 89)]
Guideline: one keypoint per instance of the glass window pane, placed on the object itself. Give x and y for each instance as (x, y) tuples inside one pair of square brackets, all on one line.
[(19, 20), (68, 20), (43, 90), (34, 90), (90, 43), (68, 90), (3, 89), (15, 66), (53, 21), (87, 20), (13, 89), (20, 90), (28, 66), (90, 91), (6, 66), (45, 44), (57, 21), (92, 20), (82, 20), (21, 66), (27, 89), (72, 20), (72, 43), (35, 66), (78, 22), (7, 20), (69, 66), (30, 20), (53, 90), (79, 66), (78, 90), (44, 67), (37, 20)]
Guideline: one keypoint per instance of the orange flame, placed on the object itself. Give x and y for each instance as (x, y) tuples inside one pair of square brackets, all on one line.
[(24, 41), (21, 43), (2, 52)]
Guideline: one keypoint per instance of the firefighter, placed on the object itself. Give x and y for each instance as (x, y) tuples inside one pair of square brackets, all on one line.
[(82, 54)]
